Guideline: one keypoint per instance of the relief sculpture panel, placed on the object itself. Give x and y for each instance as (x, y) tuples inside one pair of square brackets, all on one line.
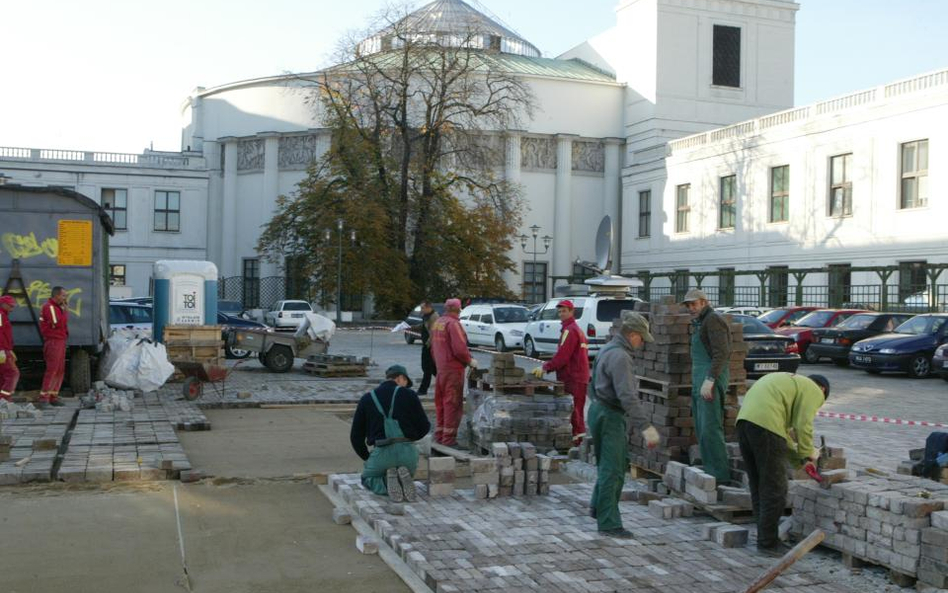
[(537, 153), (297, 152), (250, 154), (589, 156)]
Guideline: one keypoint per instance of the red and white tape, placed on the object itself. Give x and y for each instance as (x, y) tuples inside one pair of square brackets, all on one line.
[(867, 418)]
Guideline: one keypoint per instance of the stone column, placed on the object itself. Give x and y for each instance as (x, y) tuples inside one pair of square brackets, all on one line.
[(563, 206), (611, 190), (270, 190), (512, 161), (229, 260)]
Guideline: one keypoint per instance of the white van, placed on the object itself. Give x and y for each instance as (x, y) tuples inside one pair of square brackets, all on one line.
[(594, 314), (497, 324)]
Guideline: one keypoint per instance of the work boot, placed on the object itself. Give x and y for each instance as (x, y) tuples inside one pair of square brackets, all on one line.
[(395, 492), (620, 533), (408, 484)]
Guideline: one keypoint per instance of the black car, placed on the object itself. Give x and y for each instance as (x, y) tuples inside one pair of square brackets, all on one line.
[(767, 351), (909, 349), (414, 318), (835, 342), (940, 362)]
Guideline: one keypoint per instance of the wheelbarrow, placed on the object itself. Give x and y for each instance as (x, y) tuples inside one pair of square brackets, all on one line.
[(196, 374)]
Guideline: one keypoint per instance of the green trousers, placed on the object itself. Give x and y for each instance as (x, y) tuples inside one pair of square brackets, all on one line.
[(709, 415), (383, 458), (610, 439)]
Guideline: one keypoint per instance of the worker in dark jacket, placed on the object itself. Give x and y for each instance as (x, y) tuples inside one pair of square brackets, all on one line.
[(571, 364), (390, 418), (54, 327), (9, 373), (776, 405), (428, 367), (710, 356)]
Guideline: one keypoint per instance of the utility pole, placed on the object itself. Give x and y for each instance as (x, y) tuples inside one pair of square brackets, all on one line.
[(547, 239)]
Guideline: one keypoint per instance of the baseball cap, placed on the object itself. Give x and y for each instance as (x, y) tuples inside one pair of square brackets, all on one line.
[(635, 322), (453, 303), (568, 304), (7, 300), (695, 294), (396, 370)]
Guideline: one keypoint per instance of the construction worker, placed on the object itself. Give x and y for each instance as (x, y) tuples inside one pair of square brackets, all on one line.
[(571, 364), (54, 327), (774, 405), (9, 373), (390, 418), (428, 368), (613, 396), (710, 356), (449, 347)]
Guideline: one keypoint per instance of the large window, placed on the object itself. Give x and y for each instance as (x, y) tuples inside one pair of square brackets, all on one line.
[(116, 274), (167, 211), (534, 281), (680, 284), (914, 174), (727, 213), (913, 278), (841, 185), (251, 278), (645, 213), (727, 56), (682, 208), (780, 194), (778, 287), (115, 202)]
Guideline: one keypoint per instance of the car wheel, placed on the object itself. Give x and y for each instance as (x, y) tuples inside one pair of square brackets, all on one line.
[(499, 344), (279, 359), (810, 357), (528, 348), (841, 362), (409, 338), (920, 366), (236, 353)]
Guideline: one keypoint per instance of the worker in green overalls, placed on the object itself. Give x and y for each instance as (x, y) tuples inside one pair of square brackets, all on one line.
[(389, 418), (613, 396), (710, 357)]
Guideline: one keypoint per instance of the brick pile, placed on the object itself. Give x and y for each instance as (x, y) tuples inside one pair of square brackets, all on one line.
[(441, 476), (516, 469), (878, 519), (912, 466), (933, 564)]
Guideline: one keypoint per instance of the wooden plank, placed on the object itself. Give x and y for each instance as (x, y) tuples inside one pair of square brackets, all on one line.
[(452, 452), (797, 552)]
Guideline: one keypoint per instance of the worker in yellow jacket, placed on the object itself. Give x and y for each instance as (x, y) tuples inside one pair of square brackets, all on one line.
[(775, 405)]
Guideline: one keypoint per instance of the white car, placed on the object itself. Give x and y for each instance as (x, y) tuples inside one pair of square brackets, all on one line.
[(594, 314), (287, 314), (130, 315), (498, 325), (752, 311)]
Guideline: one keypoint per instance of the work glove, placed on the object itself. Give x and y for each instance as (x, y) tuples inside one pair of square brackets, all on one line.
[(537, 372), (473, 363), (3, 356), (810, 467), (707, 390), (651, 437)]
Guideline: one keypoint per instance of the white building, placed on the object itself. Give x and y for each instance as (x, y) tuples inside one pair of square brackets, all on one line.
[(623, 120)]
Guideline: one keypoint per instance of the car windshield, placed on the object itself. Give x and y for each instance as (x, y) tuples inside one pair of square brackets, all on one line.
[(510, 315), (752, 325), (609, 310), (857, 322), (922, 325), (296, 306), (773, 316), (230, 307), (815, 319)]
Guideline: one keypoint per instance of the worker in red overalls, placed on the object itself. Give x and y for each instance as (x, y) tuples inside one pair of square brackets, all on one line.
[(449, 347), (54, 326), (9, 374), (571, 364)]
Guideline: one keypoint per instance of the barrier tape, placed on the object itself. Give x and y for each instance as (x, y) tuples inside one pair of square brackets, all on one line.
[(414, 333), (867, 418)]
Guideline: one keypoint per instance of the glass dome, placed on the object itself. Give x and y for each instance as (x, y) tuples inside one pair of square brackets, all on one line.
[(452, 23)]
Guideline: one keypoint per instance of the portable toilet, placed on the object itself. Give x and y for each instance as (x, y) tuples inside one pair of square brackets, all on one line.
[(185, 294)]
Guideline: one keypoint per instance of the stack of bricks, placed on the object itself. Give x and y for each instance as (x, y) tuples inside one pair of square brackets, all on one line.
[(832, 459), (6, 442), (441, 476), (883, 520), (670, 508), (504, 371), (516, 469), (663, 370), (933, 565), (913, 465)]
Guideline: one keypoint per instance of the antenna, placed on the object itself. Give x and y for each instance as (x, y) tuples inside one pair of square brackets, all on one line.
[(604, 245), (607, 282)]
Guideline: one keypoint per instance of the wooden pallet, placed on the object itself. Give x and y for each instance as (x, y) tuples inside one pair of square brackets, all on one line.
[(191, 333), (524, 388), (642, 473), (728, 513), (334, 370)]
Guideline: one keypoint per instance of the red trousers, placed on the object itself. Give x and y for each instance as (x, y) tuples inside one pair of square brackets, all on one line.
[(578, 391), (9, 375), (449, 404), (54, 353)]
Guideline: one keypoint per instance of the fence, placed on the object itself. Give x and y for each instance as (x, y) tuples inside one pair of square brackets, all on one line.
[(263, 293)]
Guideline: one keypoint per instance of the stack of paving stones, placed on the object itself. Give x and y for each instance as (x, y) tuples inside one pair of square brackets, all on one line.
[(725, 534), (663, 371), (503, 371), (549, 543), (912, 466), (182, 414), (131, 462), (884, 520), (441, 476), (515, 469), (33, 441)]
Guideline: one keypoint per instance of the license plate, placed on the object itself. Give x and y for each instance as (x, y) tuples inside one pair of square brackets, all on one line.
[(944, 365), (865, 359), (766, 366), (827, 340)]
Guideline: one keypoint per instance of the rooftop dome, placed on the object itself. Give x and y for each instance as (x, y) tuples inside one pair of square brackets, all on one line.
[(452, 23)]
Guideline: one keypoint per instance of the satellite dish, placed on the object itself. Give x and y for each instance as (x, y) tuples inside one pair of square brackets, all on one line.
[(604, 244)]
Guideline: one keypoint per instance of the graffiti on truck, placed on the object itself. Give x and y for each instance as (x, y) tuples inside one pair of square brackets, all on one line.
[(27, 246), (39, 292)]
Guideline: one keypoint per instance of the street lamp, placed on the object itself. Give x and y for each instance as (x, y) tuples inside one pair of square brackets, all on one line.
[(352, 237), (547, 239)]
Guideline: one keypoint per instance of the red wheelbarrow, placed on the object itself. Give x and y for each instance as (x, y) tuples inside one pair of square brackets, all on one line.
[(196, 374)]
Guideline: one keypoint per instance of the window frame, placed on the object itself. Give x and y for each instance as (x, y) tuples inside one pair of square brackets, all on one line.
[(717, 66), (683, 211), (845, 185), (783, 195), (114, 208), (731, 204), (916, 174), (166, 211), (250, 285), (529, 290), (113, 275), (645, 216)]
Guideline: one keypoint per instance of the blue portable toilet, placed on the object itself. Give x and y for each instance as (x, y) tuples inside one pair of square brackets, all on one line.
[(185, 294)]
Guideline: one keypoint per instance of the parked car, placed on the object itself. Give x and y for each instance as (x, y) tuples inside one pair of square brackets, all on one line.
[(287, 314), (802, 329), (924, 301), (910, 349), (784, 316), (752, 311), (835, 342), (232, 321), (497, 325), (233, 308), (414, 318), (940, 361), (128, 315), (135, 300), (767, 351), (594, 314)]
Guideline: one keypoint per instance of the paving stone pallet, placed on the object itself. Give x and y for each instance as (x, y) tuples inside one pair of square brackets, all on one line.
[(328, 365), (142, 462), (459, 543)]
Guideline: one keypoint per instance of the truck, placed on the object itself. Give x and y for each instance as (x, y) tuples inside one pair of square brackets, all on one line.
[(52, 236)]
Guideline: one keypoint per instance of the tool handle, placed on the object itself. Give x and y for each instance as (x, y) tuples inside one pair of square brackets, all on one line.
[(798, 551)]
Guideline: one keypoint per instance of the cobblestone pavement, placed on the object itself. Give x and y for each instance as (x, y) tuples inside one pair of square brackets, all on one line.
[(549, 543)]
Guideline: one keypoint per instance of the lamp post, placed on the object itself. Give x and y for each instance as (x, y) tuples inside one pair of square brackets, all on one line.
[(328, 235), (547, 239)]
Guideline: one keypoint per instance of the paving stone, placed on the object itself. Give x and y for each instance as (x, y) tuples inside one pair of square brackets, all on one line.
[(341, 516), (367, 545), (731, 536)]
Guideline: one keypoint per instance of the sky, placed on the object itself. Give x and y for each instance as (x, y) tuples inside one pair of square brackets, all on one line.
[(112, 75)]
